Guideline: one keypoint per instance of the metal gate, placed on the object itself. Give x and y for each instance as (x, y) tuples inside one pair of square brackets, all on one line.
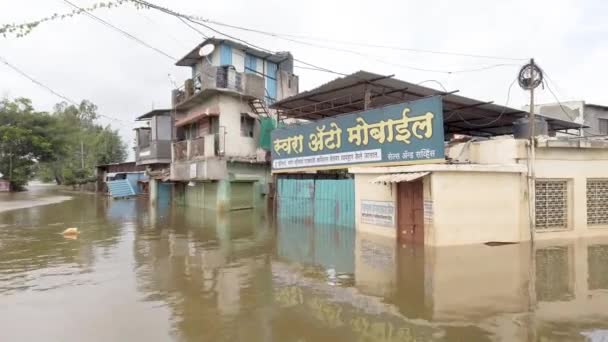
[(317, 201)]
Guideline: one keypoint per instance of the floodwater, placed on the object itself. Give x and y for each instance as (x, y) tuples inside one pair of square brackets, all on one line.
[(160, 274)]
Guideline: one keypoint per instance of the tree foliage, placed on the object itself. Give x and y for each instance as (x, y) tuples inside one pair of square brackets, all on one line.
[(63, 146), (23, 29)]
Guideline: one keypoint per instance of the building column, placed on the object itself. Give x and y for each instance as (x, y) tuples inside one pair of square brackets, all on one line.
[(153, 188), (223, 195)]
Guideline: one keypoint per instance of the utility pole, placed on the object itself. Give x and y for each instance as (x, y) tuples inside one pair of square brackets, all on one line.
[(532, 159), (530, 77)]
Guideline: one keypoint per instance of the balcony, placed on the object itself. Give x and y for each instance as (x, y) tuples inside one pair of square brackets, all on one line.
[(157, 152), (197, 159), (217, 79), (194, 149)]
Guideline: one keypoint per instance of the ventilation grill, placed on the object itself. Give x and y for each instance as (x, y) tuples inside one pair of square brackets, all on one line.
[(551, 205), (597, 201)]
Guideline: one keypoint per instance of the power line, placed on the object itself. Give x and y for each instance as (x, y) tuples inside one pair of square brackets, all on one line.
[(35, 81), (205, 23), (197, 22), (193, 28), (505, 107), (49, 89), (281, 35), (165, 31), (123, 32)]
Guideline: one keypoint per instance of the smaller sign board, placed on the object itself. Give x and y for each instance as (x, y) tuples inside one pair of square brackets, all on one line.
[(379, 213)]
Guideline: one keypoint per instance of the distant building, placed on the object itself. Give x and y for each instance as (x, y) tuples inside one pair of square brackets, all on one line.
[(221, 124), (153, 132), (5, 185), (592, 115)]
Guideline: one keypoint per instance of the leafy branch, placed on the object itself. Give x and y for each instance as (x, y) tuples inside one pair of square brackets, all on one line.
[(23, 29)]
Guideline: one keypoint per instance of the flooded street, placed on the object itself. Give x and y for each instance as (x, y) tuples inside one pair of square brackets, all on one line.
[(137, 273)]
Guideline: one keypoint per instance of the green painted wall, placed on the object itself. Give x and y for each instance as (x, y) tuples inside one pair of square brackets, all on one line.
[(241, 195)]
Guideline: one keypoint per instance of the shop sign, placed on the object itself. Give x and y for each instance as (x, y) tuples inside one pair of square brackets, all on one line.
[(399, 134)]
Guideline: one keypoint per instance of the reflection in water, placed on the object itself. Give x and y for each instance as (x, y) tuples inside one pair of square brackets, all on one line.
[(140, 274)]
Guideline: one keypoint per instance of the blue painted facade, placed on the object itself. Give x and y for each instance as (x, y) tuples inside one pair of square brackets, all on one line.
[(251, 63), (317, 201), (271, 82), (164, 193), (225, 54)]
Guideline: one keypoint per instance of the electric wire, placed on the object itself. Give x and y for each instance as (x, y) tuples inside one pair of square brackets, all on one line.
[(123, 32), (494, 120), (49, 89)]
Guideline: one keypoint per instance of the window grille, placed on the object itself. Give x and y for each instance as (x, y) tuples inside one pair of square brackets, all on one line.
[(551, 205), (597, 201)]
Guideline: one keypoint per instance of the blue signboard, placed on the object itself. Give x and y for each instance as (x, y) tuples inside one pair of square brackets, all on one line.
[(399, 134)]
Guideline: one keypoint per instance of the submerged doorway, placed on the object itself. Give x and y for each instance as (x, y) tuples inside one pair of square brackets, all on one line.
[(410, 212)]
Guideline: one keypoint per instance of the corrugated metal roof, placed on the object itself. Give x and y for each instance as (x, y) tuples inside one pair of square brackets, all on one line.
[(399, 177), (461, 114)]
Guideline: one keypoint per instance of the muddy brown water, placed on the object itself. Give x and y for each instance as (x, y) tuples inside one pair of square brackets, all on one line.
[(137, 273)]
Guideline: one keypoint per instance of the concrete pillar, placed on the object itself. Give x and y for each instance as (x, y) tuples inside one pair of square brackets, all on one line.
[(223, 195), (153, 188)]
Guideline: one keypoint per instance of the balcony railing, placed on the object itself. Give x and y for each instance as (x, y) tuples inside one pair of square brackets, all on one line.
[(194, 148), (197, 147), (180, 150), (219, 78)]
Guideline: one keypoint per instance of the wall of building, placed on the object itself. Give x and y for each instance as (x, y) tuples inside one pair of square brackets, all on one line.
[(366, 191), (576, 165), (476, 207), (593, 114), (237, 145)]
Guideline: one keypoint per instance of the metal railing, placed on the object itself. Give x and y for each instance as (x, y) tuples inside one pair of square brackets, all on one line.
[(180, 150), (197, 147)]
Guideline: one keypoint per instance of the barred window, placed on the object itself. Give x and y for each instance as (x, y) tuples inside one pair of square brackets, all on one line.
[(597, 201), (551, 204)]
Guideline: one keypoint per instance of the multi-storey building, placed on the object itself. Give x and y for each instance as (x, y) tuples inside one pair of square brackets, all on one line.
[(221, 124)]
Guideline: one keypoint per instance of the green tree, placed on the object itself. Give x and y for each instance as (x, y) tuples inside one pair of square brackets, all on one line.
[(64, 146), (24, 141), (87, 145)]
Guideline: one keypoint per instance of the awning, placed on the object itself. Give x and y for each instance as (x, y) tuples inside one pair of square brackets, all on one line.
[(193, 118), (399, 177)]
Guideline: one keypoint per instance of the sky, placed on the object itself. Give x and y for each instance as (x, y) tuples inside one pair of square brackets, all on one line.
[(81, 58)]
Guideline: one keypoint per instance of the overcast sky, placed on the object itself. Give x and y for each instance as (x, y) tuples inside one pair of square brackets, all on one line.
[(83, 59)]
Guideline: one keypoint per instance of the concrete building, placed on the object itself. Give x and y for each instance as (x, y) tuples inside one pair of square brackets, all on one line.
[(592, 115), (153, 151), (482, 194), (434, 168), (221, 124)]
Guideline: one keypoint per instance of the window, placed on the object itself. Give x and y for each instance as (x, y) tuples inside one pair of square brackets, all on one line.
[(143, 137), (551, 205), (597, 201), (603, 126), (191, 131), (247, 123)]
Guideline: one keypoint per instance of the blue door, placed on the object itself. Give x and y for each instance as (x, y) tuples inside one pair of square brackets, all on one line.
[(271, 82)]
